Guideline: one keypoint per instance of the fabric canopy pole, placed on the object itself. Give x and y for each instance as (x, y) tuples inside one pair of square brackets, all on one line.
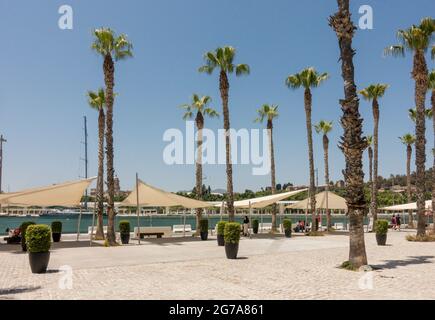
[(93, 223), (138, 208), (78, 223)]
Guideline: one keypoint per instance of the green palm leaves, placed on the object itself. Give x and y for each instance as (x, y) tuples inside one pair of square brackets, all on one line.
[(374, 91), (323, 127), (96, 100), (199, 104), (414, 38), (268, 112), (307, 78), (407, 139), (412, 113), (223, 58), (432, 80), (369, 139), (108, 43)]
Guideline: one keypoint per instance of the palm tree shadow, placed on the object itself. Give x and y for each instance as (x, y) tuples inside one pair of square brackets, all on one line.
[(392, 264), (17, 290)]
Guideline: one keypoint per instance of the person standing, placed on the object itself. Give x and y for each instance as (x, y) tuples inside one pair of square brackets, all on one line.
[(398, 222), (246, 226)]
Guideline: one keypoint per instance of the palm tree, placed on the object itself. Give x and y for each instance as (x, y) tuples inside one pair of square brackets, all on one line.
[(110, 47), (270, 112), (408, 140), (97, 100), (199, 105), (432, 88), (417, 39), (370, 152), (412, 113), (222, 59), (325, 127), (373, 93), (308, 78), (353, 143)]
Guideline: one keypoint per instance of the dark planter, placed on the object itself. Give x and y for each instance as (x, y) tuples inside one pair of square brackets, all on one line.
[(39, 261), (255, 230), (204, 235), (288, 233), (23, 246), (125, 238), (381, 239), (56, 237), (220, 240), (231, 250)]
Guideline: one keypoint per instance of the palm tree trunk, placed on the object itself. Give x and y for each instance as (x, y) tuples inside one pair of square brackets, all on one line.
[(99, 235), (224, 87), (433, 166), (198, 173), (272, 171), (109, 73), (420, 75), (352, 144), (307, 103), (326, 159), (370, 150), (374, 202), (408, 183)]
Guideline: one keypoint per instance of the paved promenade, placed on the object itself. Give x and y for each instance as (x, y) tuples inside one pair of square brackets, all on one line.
[(268, 268)]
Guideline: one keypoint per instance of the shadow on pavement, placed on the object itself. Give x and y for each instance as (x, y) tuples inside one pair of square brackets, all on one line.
[(392, 264)]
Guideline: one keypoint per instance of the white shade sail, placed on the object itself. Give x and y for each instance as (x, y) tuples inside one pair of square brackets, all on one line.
[(335, 202), (408, 206), (153, 197), (68, 194)]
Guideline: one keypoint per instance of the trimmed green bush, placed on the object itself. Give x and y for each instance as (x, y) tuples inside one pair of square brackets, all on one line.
[(203, 225), (124, 227), (255, 225), (221, 227), (56, 227), (381, 227), (23, 229), (287, 224), (232, 232), (38, 238)]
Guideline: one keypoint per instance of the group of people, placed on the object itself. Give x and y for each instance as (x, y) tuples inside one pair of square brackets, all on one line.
[(396, 222), (300, 226)]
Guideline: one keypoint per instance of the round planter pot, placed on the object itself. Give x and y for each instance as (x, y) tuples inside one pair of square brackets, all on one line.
[(125, 238), (39, 261), (381, 239), (255, 230), (288, 233), (220, 240), (24, 247), (231, 250), (56, 237), (204, 235)]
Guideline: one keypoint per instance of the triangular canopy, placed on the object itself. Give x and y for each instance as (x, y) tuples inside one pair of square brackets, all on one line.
[(153, 197), (408, 206), (66, 194), (335, 202), (262, 202)]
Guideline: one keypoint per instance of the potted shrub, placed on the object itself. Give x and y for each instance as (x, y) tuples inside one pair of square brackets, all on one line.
[(203, 228), (23, 229), (56, 230), (381, 229), (287, 224), (38, 240), (255, 225), (220, 233), (124, 230), (232, 238)]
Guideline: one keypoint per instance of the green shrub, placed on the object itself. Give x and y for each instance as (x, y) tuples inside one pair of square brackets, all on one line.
[(315, 234), (56, 227), (232, 232), (23, 229), (255, 225), (221, 227), (381, 227), (347, 265), (287, 224), (124, 227), (38, 238), (425, 238), (203, 225)]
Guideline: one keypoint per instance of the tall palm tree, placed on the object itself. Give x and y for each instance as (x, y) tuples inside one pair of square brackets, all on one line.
[(353, 143), (408, 140), (412, 113), (432, 88), (308, 78), (373, 93), (270, 112), (97, 100), (417, 39), (110, 46), (324, 127), (223, 59), (199, 107), (370, 153)]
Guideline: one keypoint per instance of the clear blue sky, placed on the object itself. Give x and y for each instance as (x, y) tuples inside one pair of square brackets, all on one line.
[(45, 73)]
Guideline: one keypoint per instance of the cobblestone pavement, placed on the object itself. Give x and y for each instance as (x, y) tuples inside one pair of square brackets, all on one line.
[(277, 268)]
